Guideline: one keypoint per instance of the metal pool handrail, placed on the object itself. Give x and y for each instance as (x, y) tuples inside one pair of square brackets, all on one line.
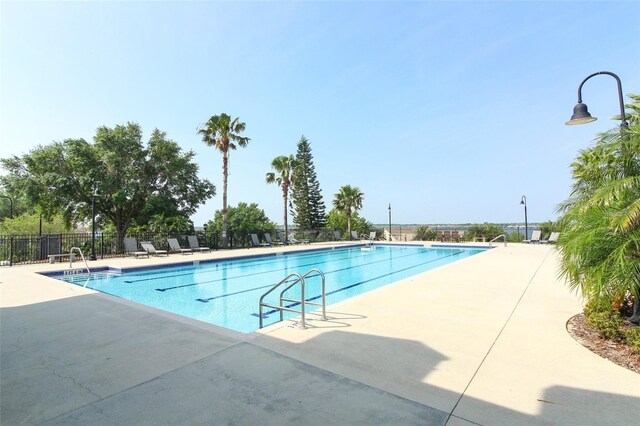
[(81, 255), (499, 236), (298, 279)]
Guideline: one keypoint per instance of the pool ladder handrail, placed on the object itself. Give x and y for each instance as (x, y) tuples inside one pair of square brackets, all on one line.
[(499, 236), (81, 256), (302, 301)]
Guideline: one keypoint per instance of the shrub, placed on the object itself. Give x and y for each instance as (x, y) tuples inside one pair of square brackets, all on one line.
[(607, 324), (424, 233), (632, 336), (599, 314)]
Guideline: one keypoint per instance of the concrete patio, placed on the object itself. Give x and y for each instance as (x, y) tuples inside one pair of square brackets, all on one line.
[(479, 341)]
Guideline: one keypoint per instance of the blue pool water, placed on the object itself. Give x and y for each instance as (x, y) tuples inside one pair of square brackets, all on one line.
[(226, 292)]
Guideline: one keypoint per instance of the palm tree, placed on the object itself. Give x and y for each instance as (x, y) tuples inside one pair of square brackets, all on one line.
[(221, 132), (600, 239), (347, 200), (285, 167)]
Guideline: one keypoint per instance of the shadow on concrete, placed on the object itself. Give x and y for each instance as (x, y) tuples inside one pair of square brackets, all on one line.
[(90, 360)]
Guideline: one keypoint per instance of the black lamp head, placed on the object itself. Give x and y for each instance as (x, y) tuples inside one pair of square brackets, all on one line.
[(580, 115)]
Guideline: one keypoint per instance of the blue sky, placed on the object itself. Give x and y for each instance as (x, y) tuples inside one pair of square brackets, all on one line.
[(450, 111)]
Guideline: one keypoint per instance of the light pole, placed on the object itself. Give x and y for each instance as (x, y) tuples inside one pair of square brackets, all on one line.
[(389, 221), (93, 223), (205, 226), (581, 114), (523, 201), (10, 205)]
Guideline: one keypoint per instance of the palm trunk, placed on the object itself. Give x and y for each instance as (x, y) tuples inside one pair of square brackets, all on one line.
[(225, 176), (349, 223), (285, 192), (635, 318)]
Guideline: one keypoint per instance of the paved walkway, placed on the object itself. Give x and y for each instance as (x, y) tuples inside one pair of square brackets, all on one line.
[(480, 341)]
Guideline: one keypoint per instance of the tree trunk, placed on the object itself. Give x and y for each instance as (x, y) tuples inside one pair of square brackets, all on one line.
[(635, 318), (349, 223), (285, 192), (225, 175)]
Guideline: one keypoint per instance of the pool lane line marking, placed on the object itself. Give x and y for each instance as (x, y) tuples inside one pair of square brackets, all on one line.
[(210, 270), (332, 272), (235, 264), (287, 268), (263, 261), (338, 290)]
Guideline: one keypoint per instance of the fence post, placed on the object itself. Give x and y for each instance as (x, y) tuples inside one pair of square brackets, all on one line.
[(11, 251)]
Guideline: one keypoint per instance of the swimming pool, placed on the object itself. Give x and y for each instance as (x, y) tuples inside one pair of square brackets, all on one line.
[(226, 292)]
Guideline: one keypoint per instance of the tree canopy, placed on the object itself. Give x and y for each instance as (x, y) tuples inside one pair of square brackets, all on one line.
[(127, 174), (243, 220), (347, 200)]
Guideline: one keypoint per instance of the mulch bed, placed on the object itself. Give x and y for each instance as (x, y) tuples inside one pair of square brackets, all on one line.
[(616, 352)]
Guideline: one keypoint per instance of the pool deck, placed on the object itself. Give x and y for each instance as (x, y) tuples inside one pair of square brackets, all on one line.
[(480, 341)]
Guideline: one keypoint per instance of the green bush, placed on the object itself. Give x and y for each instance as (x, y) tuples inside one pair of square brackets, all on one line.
[(607, 324), (632, 336), (424, 233)]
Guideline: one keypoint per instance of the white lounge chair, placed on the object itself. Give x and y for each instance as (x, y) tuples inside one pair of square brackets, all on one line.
[(337, 236), (553, 238), (354, 235), (174, 246), (535, 237), (149, 248), (194, 246), (256, 242)]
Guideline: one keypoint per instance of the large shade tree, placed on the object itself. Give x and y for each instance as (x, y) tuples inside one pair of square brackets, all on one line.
[(61, 177), (223, 133), (347, 200), (600, 240), (285, 167)]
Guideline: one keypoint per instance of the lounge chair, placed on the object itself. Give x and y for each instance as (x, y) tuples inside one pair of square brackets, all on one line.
[(553, 238), (174, 247), (149, 248), (354, 235), (194, 246), (372, 236), (256, 242), (535, 237), (337, 236), (269, 241), (131, 247), (293, 240)]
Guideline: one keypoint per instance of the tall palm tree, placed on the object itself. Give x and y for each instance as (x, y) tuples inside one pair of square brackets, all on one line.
[(285, 167), (223, 133), (600, 241), (347, 200)]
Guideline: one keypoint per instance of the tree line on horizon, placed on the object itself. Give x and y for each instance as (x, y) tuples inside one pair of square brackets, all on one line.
[(154, 186)]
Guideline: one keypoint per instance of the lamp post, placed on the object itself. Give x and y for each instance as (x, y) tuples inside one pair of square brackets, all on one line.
[(523, 201), (389, 221), (93, 223), (10, 205), (205, 226), (581, 114)]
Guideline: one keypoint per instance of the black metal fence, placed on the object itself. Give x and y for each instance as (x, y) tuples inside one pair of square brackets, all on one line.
[(27, 249)]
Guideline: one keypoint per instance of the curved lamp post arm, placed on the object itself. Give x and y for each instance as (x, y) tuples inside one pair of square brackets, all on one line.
[(581, 114)]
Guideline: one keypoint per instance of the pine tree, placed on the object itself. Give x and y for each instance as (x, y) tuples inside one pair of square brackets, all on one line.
[(308, 209)]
